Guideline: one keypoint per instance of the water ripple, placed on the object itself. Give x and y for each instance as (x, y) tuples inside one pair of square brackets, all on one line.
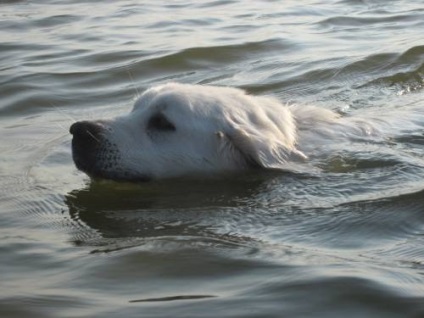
[(347, 237)]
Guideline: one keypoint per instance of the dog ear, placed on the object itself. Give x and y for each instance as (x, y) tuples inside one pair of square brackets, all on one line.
[(259, 151), (238, 145)]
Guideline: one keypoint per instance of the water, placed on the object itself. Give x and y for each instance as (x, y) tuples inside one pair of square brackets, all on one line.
[(345, 242)]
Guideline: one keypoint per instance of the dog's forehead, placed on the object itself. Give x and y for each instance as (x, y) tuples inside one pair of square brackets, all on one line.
[(180, 98), (159, 97)]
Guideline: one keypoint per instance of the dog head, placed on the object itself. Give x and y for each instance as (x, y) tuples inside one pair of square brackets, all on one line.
[(178, 129)]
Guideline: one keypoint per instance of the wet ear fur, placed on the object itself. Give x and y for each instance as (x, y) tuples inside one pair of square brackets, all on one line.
[(259, 151), (238, 145)]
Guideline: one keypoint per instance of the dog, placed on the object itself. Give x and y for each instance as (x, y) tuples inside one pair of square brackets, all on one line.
[(177, 130)]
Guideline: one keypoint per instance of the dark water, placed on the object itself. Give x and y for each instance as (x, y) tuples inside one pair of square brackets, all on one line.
[(347, 242)]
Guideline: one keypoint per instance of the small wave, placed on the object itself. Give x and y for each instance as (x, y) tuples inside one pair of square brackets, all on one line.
[(212, 55), (403, 82), (340, 22), (172, 298), (405, 72)]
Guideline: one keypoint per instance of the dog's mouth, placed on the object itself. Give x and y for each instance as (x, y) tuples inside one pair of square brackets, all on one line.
[(98, 157)]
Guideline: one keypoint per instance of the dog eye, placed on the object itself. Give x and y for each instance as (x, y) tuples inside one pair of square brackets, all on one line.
[(160, 122)]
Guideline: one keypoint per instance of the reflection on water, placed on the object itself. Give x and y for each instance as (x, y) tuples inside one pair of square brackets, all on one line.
[(173, 209)]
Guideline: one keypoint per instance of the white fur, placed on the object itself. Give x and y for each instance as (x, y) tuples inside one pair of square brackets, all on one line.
[(220, 129)]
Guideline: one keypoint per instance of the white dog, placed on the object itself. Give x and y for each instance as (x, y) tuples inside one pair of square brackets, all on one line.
[(178, 129)]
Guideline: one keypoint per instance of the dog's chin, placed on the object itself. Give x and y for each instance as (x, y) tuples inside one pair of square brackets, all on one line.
[(96, 168), (118, 176)]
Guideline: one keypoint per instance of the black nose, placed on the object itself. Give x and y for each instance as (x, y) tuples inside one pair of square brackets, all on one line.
[(87, 130), (87, 141)]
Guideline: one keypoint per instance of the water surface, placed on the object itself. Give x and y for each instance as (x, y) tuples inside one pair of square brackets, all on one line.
[(347, 241)]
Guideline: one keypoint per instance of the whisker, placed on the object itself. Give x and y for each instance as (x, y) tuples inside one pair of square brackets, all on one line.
[(88, 132), (61, 126), (63, 112), (137, 93)]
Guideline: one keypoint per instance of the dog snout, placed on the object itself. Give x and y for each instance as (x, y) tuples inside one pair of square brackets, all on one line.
[(87, 141), (87, 130)]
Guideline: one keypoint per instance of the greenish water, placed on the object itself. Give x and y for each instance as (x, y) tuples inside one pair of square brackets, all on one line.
[(345, 242)]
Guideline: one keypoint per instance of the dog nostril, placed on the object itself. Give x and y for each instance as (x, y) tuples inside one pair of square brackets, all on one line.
[(86, 129)]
